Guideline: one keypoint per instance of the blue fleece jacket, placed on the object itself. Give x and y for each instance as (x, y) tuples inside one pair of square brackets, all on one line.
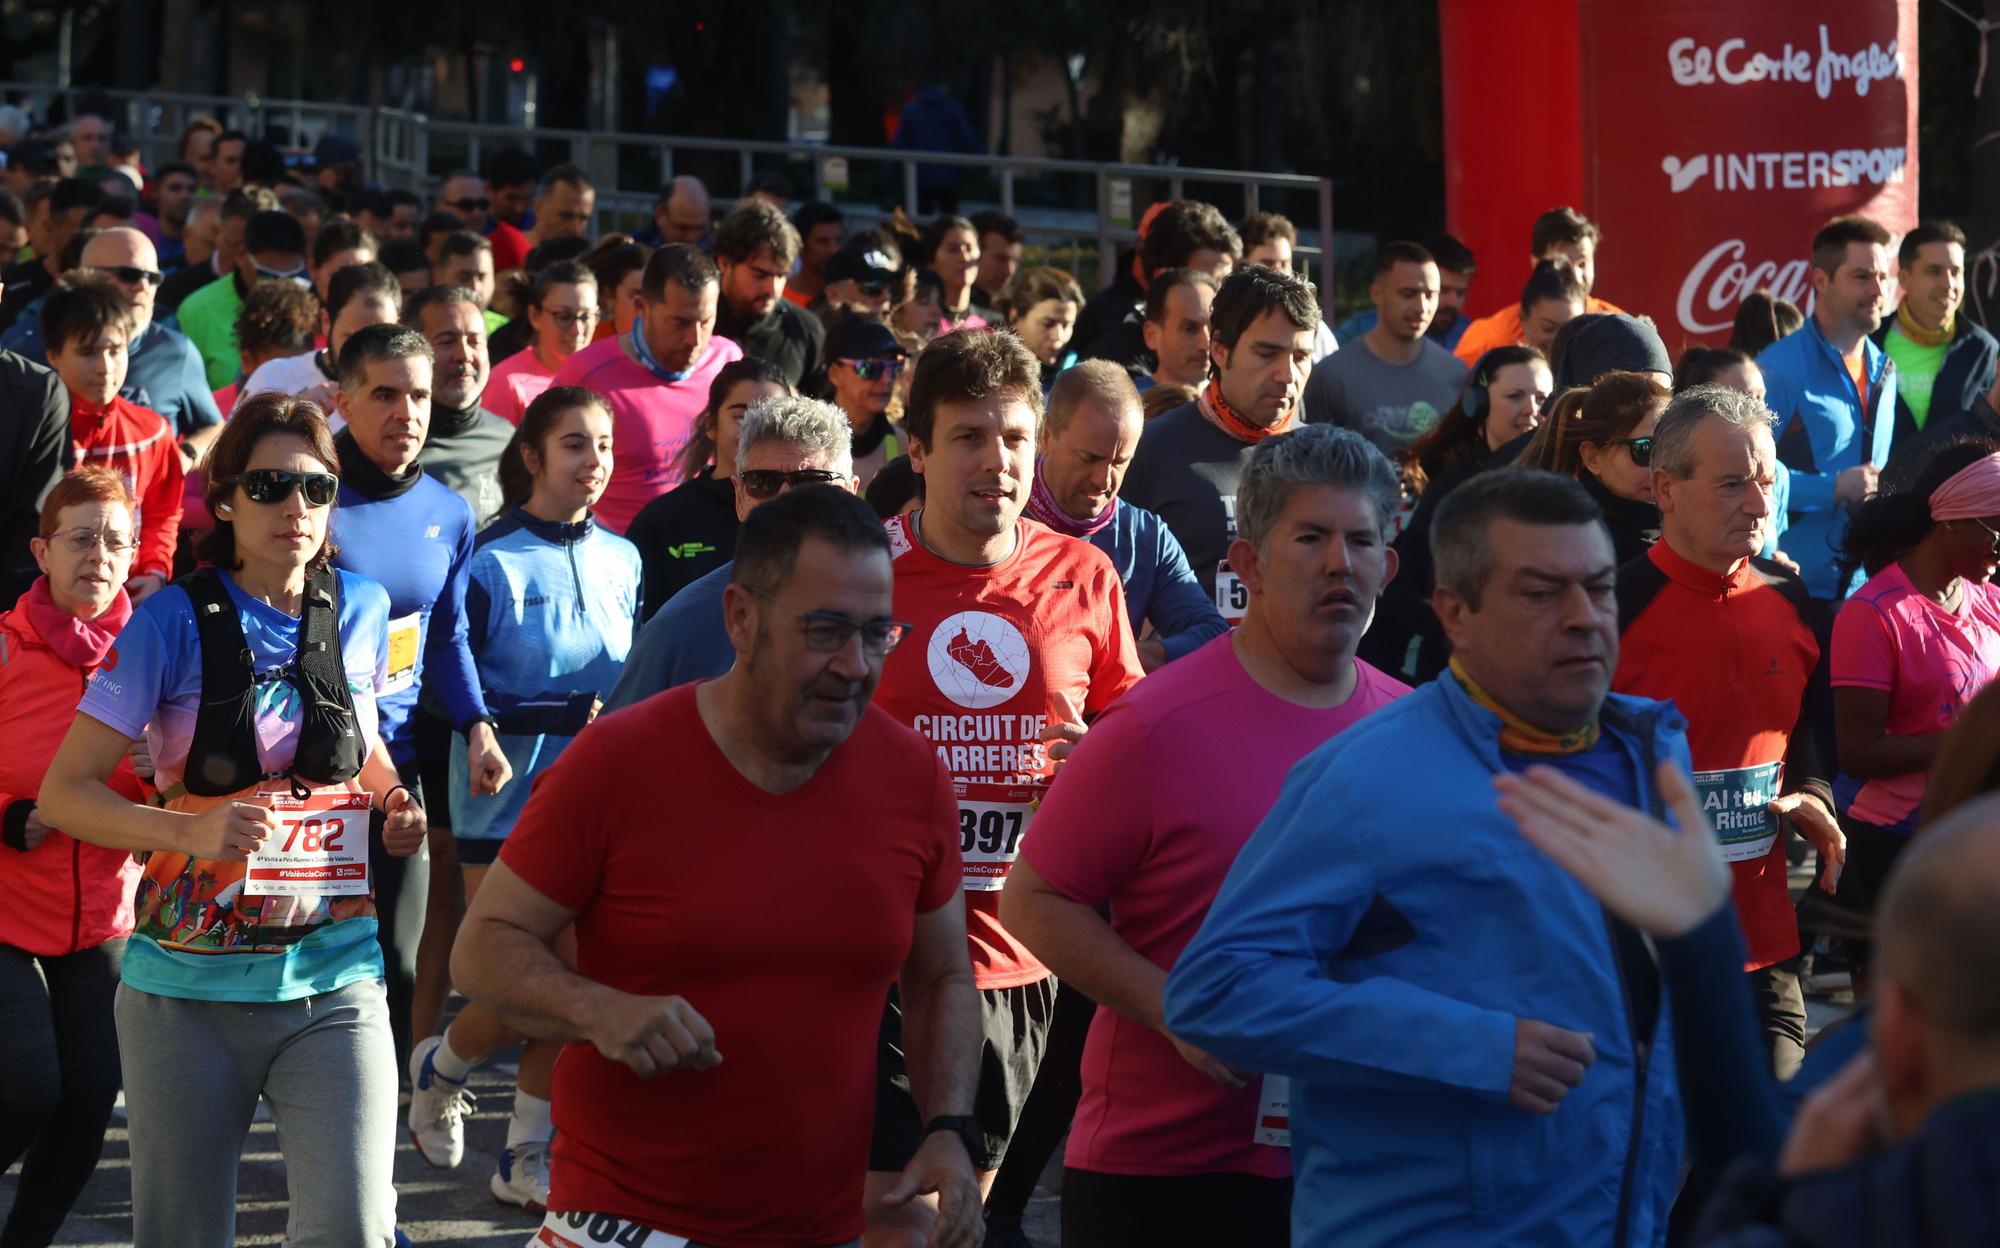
[(550, 610), (1160, 587), (1377, 940), (1822, 432), (417, 544)]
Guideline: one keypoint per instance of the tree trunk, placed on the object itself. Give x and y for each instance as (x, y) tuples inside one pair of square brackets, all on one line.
[(1982, 299)]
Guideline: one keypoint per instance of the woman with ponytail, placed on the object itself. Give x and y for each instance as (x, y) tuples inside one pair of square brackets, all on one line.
[(1603, 436), (1911, 648), (551, 603)]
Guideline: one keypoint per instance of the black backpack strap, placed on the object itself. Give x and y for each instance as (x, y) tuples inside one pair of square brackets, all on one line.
[(330, 749), (222, 757)]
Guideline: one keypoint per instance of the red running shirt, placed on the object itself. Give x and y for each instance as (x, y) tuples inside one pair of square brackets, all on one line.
[(996, 654), (781, 919)]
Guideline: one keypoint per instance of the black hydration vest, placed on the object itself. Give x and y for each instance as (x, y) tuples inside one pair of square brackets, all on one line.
[(222, 758)]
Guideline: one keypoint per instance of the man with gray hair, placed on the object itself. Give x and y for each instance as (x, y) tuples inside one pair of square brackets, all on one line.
[(1167, 1132), (786, 441), (1434, 988), (1089, 431), (1750, 700)]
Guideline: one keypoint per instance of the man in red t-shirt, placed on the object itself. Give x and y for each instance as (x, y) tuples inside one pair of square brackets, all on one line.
[(735, 939), (1728, 638), (1018, 634), (1167, 1145)]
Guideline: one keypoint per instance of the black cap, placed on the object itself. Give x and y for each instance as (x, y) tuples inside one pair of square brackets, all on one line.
[(862, 260), (860, 338), (1612, 343)]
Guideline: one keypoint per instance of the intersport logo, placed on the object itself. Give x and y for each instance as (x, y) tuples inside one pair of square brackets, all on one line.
[(1722, 277), (1694, 64)]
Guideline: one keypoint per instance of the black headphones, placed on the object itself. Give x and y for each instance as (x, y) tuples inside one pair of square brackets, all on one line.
[(1472, 400)]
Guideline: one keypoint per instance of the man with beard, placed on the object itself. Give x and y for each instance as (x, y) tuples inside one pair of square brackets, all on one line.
[(755, 247)]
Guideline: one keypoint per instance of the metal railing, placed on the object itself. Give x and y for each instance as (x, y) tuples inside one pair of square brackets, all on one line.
[(1073, 205)]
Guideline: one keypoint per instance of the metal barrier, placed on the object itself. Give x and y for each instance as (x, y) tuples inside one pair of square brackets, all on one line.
[(1073, 205)]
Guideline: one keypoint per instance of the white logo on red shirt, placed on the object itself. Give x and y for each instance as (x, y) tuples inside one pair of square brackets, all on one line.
[(978, 659)]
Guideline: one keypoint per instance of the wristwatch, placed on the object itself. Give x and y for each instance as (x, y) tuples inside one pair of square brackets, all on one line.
[(966, 1128)]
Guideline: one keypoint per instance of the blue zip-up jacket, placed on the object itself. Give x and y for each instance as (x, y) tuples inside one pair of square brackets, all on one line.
[(1822, 432), (684, 641), (1377, 940), (550, 610), (415, 539), (1160, 587)]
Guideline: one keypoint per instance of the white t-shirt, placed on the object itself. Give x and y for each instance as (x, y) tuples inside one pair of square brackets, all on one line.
[(299, 375)]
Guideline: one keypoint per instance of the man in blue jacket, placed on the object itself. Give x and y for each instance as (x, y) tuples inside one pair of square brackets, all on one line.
[(1834, 393), (1089, 431), (1477, 1049), (1944, 362)]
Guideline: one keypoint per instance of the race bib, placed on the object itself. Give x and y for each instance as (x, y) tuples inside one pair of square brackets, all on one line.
[(1231, 598), (588, 1230), (1737, 802), (1274, 1113), (404, 634), (990, 835), (320, 848)]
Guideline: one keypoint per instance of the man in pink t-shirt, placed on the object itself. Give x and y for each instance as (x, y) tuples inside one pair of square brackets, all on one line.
[(655, 378), (1148, 815)]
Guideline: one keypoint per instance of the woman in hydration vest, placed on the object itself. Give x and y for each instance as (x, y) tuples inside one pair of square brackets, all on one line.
[(254, 969), (68, 905), (552, 602)]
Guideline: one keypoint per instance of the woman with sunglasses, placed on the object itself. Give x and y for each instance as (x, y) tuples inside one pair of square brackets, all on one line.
[(864, 358), (1603, 436), (253, 971), (562, 310), (546, 671), (69, 904), (690, 531), (1910, 649)]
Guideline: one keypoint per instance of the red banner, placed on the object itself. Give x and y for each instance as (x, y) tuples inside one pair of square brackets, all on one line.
[(1714, 139)]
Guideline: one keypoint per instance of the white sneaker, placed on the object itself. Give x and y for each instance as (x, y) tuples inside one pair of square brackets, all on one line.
[(438, 1108), (523, 1176)]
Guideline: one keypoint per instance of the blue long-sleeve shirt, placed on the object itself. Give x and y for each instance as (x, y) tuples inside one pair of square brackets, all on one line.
[(550, 612), (417, 544), (1160, 586)]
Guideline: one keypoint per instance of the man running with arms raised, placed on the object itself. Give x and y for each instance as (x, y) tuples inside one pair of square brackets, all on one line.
[(720, 1077)]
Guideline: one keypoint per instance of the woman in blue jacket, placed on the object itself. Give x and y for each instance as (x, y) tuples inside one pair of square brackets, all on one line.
[(551, 603)]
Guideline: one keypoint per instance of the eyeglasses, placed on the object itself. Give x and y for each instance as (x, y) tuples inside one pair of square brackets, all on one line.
[(1991, 532), (274, 485), (828, 631), (763, 483), (570, 320), (80, 541), (1641, 449), (132, 276), (877, 370), (469, 204)]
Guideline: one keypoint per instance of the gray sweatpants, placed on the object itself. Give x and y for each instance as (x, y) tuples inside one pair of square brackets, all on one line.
[(193, 1072)]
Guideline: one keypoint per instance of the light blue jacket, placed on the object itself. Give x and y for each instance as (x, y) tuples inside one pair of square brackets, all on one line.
[(1376, 941), (550, 609), (1821, 433)]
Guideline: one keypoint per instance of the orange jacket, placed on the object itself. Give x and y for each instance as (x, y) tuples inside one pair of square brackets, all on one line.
[(63, 895), (1503, 329)]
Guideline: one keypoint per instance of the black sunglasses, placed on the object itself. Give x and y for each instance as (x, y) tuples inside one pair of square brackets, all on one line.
[(763, 483), (469, 204), (274, 485), (1641, 449), (132, 276)]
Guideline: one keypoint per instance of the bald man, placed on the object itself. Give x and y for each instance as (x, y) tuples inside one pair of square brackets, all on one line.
[(165, 370), (682, 214)]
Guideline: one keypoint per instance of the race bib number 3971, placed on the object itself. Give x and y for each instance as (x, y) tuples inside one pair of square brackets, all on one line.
[(989, 837), (320, 848)]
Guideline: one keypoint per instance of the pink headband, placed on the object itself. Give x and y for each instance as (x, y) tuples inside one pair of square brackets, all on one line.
[(1973, 492)]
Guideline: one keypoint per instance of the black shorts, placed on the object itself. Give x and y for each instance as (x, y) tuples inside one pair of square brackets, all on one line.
[(477, 851), (1014, 1030), (1147, 1210)]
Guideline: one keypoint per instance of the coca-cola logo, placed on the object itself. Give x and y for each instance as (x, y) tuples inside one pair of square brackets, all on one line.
[(1722, 277), (1694, 65)]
